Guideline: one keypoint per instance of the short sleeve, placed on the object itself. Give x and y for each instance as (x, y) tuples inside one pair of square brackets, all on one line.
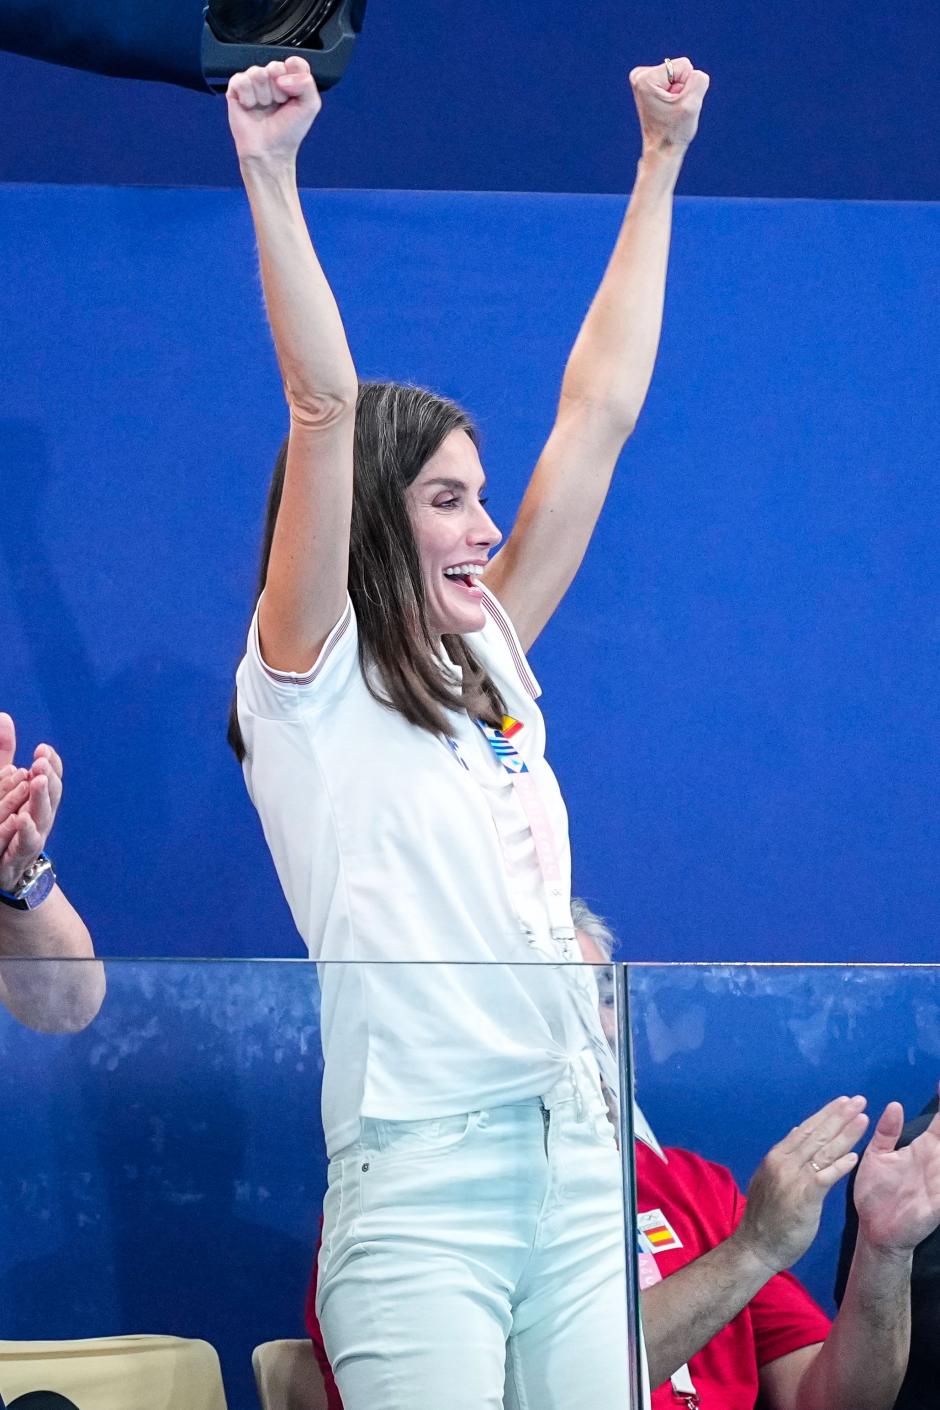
[(785, 1318), (283, 695)]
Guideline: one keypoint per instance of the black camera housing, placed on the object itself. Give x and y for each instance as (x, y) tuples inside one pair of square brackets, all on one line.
[(335, 39)]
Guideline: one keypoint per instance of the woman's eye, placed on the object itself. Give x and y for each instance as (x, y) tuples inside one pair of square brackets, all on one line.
[(446, 504), (484, 500)]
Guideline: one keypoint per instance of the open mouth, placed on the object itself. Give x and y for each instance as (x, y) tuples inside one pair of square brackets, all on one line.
[(466, 576)]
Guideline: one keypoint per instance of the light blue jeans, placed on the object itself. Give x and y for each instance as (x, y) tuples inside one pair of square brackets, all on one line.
[(478, 1260)]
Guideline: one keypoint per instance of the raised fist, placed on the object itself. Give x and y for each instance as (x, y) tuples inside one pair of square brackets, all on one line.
[(28, 802), (669, 111), (270, 109)]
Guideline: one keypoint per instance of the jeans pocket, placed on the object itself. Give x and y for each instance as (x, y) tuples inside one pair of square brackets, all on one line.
[(408, 1165), (430, 1136)]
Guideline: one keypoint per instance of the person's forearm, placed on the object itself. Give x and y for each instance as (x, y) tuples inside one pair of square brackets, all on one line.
[(46, 995), (316, 364), (683, 1312), (862, 1362), (53, 930), (613, 357)]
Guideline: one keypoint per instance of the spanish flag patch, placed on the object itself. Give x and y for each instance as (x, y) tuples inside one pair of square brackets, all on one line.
[(658, 1231)]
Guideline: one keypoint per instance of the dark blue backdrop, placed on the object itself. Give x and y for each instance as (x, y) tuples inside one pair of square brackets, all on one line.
[(741, 687), (833, 100)]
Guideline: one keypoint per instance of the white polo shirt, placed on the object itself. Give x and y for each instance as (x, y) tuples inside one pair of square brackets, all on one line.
[(411, 874)]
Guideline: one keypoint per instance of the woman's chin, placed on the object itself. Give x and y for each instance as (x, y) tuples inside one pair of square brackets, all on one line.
[(457, 609), (471, 619)]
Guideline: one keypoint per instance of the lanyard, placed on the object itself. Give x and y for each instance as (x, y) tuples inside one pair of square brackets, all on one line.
[(683, 1387), (526, 790), (579, 977)]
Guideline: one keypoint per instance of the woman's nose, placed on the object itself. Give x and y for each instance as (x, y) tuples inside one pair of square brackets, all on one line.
[(485, 533)]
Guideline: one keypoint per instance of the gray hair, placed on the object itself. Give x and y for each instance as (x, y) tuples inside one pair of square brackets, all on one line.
[(583, 918)]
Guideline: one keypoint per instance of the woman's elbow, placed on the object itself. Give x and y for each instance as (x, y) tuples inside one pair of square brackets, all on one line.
[(320, 410), (608, 416)]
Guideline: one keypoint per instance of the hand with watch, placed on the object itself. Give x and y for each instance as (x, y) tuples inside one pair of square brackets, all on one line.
[(37, 922), (29, 798)]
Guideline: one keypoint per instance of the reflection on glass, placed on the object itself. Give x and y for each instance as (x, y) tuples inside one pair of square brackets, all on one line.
[(167, 1166), (761, 1077)]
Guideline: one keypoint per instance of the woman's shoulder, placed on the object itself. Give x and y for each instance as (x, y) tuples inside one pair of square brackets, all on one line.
[(273, 693)]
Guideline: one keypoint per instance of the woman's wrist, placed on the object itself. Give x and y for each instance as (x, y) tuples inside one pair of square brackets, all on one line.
[(268, 168), (661, 163)]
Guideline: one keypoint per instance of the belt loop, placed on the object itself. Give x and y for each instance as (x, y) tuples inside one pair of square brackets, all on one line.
[(579, 1109)]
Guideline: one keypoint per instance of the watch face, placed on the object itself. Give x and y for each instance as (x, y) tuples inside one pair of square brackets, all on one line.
[(36, 893)]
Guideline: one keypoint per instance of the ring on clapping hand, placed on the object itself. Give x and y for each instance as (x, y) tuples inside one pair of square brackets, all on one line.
[(670, 72), (817, 1168)]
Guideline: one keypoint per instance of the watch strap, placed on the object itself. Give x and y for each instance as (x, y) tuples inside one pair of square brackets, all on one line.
[(34, 885)]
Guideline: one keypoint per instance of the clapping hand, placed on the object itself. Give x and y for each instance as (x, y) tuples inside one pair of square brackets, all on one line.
[(897, 1192), (785, 1197), (669, 99), (29, 798)]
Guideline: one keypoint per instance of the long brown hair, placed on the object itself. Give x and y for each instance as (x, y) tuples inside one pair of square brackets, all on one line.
[(398, 429)]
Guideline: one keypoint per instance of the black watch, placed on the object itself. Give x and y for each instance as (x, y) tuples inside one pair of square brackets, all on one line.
[(33, 887)]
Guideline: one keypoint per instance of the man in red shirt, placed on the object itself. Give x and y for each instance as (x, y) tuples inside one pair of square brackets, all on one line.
[(712, 1264), (686, 1206), (715, 1291)]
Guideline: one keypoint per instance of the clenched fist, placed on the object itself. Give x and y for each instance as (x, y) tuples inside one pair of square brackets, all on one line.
[(669, 112), (271, 109)]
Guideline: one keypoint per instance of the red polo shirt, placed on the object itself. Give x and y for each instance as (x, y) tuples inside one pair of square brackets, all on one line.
[(702, 1205)]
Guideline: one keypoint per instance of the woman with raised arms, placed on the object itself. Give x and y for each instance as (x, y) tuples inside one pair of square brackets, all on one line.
[(387, 722)]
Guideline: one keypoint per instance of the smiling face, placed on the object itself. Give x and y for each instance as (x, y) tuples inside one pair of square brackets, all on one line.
[(453, 531)]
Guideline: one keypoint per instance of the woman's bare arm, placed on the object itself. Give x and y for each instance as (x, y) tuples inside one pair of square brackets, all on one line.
[(609, 369), (270, 111)]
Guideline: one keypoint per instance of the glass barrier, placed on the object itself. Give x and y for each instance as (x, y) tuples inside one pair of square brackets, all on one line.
[(727, 1059), (165, 1160)]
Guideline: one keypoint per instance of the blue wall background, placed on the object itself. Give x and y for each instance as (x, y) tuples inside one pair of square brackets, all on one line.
[(834, 100), (741, 687)]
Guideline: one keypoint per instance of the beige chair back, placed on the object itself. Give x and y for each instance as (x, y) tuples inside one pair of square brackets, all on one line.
[(288, 1377), (115, 1373)]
